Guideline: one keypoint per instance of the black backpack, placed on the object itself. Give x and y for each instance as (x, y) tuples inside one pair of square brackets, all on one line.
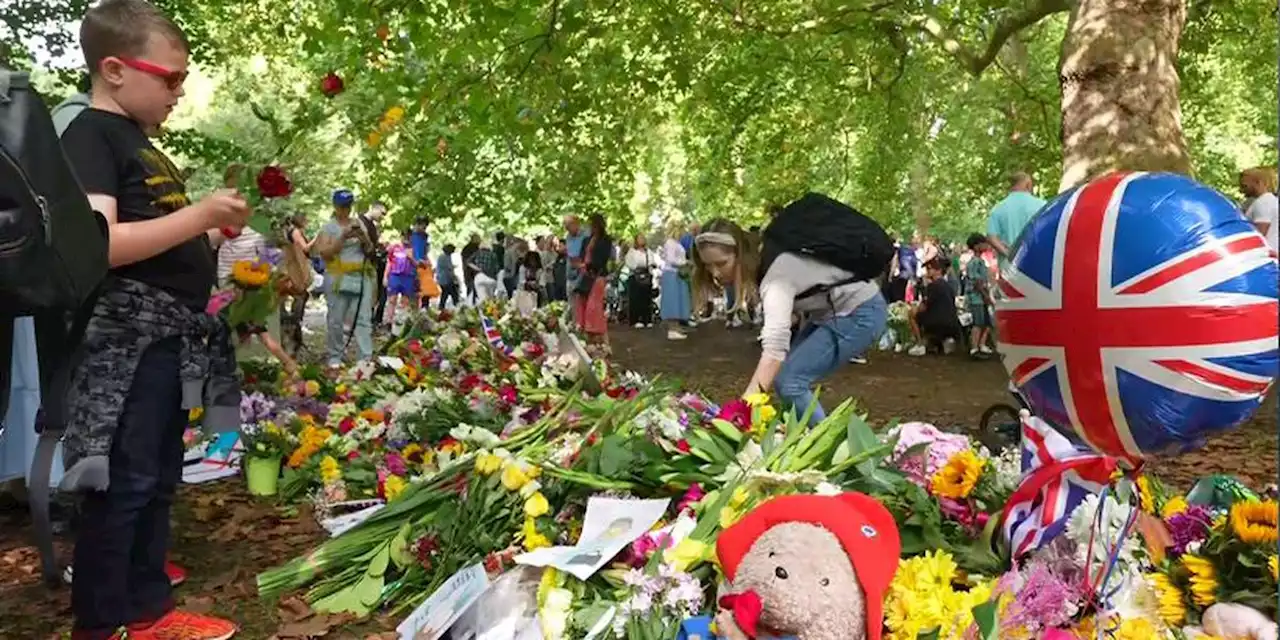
[(828, 231), (53, 246), (53, 256)]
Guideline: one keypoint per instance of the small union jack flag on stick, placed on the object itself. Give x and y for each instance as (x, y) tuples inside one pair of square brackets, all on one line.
[(493, 336)]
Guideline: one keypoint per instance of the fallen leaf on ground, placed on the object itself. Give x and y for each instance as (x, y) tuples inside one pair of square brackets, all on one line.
[(198, 604), (293, 609)]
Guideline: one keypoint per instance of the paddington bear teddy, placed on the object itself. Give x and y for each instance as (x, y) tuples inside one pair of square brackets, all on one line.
[(807, 567)]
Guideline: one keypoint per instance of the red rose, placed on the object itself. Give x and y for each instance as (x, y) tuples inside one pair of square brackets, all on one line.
[(683, 446), (415, 346), (353, 455), (471, 381), (331, 85), (346, 425), (534, 351), (272, 183)]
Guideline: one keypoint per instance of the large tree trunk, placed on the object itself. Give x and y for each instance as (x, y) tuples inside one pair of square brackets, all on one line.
[(1120, 89)]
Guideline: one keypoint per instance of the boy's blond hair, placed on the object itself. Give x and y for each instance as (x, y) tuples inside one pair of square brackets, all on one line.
[(121, 28)]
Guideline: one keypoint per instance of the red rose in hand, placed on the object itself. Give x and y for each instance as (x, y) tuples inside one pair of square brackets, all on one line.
[(273, 183), (331, 85)]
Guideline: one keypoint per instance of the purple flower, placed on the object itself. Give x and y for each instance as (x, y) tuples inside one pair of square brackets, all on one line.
[(1188, 527), (1043, 600), (255, 407)]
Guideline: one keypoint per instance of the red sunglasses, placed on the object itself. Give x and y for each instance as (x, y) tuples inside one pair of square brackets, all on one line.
[(172, 79)]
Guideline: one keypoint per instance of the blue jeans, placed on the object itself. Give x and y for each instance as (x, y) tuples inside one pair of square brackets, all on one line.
[(821, 348), (347, 308), (124, 531)]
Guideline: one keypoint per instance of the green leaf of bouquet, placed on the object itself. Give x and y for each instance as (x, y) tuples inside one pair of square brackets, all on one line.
[(987, 617), (401, 554)]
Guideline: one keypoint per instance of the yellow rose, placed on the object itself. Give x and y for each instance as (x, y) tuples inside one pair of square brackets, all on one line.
[(394, 114), (312, 388), (536, 506), (393, 486), (194, 413), (487, 463), (513, 477), (533, 539), (686, 554), (342, 388)]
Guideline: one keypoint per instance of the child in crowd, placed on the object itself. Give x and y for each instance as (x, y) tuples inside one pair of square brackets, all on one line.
[(400, 278), (934, 321), (447, 277), (978, 297), (151, 353)]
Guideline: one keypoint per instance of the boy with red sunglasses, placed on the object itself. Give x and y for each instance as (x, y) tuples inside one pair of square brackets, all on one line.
[(151, 353)]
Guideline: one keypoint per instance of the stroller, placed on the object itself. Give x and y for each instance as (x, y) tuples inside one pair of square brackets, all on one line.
[(1001, 424)]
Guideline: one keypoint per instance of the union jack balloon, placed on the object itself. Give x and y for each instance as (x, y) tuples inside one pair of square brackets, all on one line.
[(1140, 312)]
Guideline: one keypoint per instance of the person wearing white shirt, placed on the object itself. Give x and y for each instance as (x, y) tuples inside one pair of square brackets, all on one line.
[(1262, 209), (676, 300), (639, 262)]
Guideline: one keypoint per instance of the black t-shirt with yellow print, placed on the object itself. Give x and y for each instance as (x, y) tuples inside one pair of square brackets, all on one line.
[(111, 155)]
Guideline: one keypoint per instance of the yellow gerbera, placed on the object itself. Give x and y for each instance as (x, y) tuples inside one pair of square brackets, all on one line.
[(1255, 522), (1204, 579), (250, 273), (1172, 607), (1173, 507), (957, 478)]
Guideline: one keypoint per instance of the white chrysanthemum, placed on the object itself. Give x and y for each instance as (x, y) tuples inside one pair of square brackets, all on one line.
[(1084, 524)]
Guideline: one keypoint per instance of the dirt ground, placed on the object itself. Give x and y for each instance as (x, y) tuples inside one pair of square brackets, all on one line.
[(225, 538)]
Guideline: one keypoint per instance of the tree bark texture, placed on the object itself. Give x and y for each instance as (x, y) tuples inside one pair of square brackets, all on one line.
[(1119, 79)]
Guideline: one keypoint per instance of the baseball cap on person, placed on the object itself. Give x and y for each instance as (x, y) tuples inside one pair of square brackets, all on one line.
[(343, 198)]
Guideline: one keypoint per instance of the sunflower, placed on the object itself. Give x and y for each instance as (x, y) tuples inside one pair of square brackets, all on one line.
[(1172, 607), (1204, 579), (1173, 507), (957, 478), (1255, 522), (250, 274)]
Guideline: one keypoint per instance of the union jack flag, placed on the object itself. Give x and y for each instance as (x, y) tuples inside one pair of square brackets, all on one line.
[(1140, 311), (1057, 475), (493, 336)]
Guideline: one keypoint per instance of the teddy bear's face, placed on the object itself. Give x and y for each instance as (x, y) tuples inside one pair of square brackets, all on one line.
[(806, 582)]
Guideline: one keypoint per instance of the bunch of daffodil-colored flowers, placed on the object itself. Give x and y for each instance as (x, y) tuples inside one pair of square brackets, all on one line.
[(924, 596), (310, 441), (518, 475)]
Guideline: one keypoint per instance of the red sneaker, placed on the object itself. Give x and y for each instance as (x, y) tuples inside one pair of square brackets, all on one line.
[(177, 575), (180, 625)]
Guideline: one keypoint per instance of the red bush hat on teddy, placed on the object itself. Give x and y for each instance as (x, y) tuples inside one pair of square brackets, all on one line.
[(865, 528)]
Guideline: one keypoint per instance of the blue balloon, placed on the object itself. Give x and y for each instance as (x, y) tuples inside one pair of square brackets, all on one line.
[(1140, 312)]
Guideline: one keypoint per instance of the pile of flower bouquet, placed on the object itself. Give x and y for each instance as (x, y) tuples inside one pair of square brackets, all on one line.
[(486, 436)]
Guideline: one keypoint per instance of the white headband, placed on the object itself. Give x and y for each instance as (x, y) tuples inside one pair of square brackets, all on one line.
[(716, 237)]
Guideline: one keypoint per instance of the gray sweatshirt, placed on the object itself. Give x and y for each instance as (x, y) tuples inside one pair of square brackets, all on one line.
[(788, 276)]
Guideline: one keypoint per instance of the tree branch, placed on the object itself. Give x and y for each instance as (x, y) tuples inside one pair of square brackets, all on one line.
[(1026, 14)]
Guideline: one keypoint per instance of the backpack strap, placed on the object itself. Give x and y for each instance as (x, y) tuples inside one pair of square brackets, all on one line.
[(59, 350), (819, 289)]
